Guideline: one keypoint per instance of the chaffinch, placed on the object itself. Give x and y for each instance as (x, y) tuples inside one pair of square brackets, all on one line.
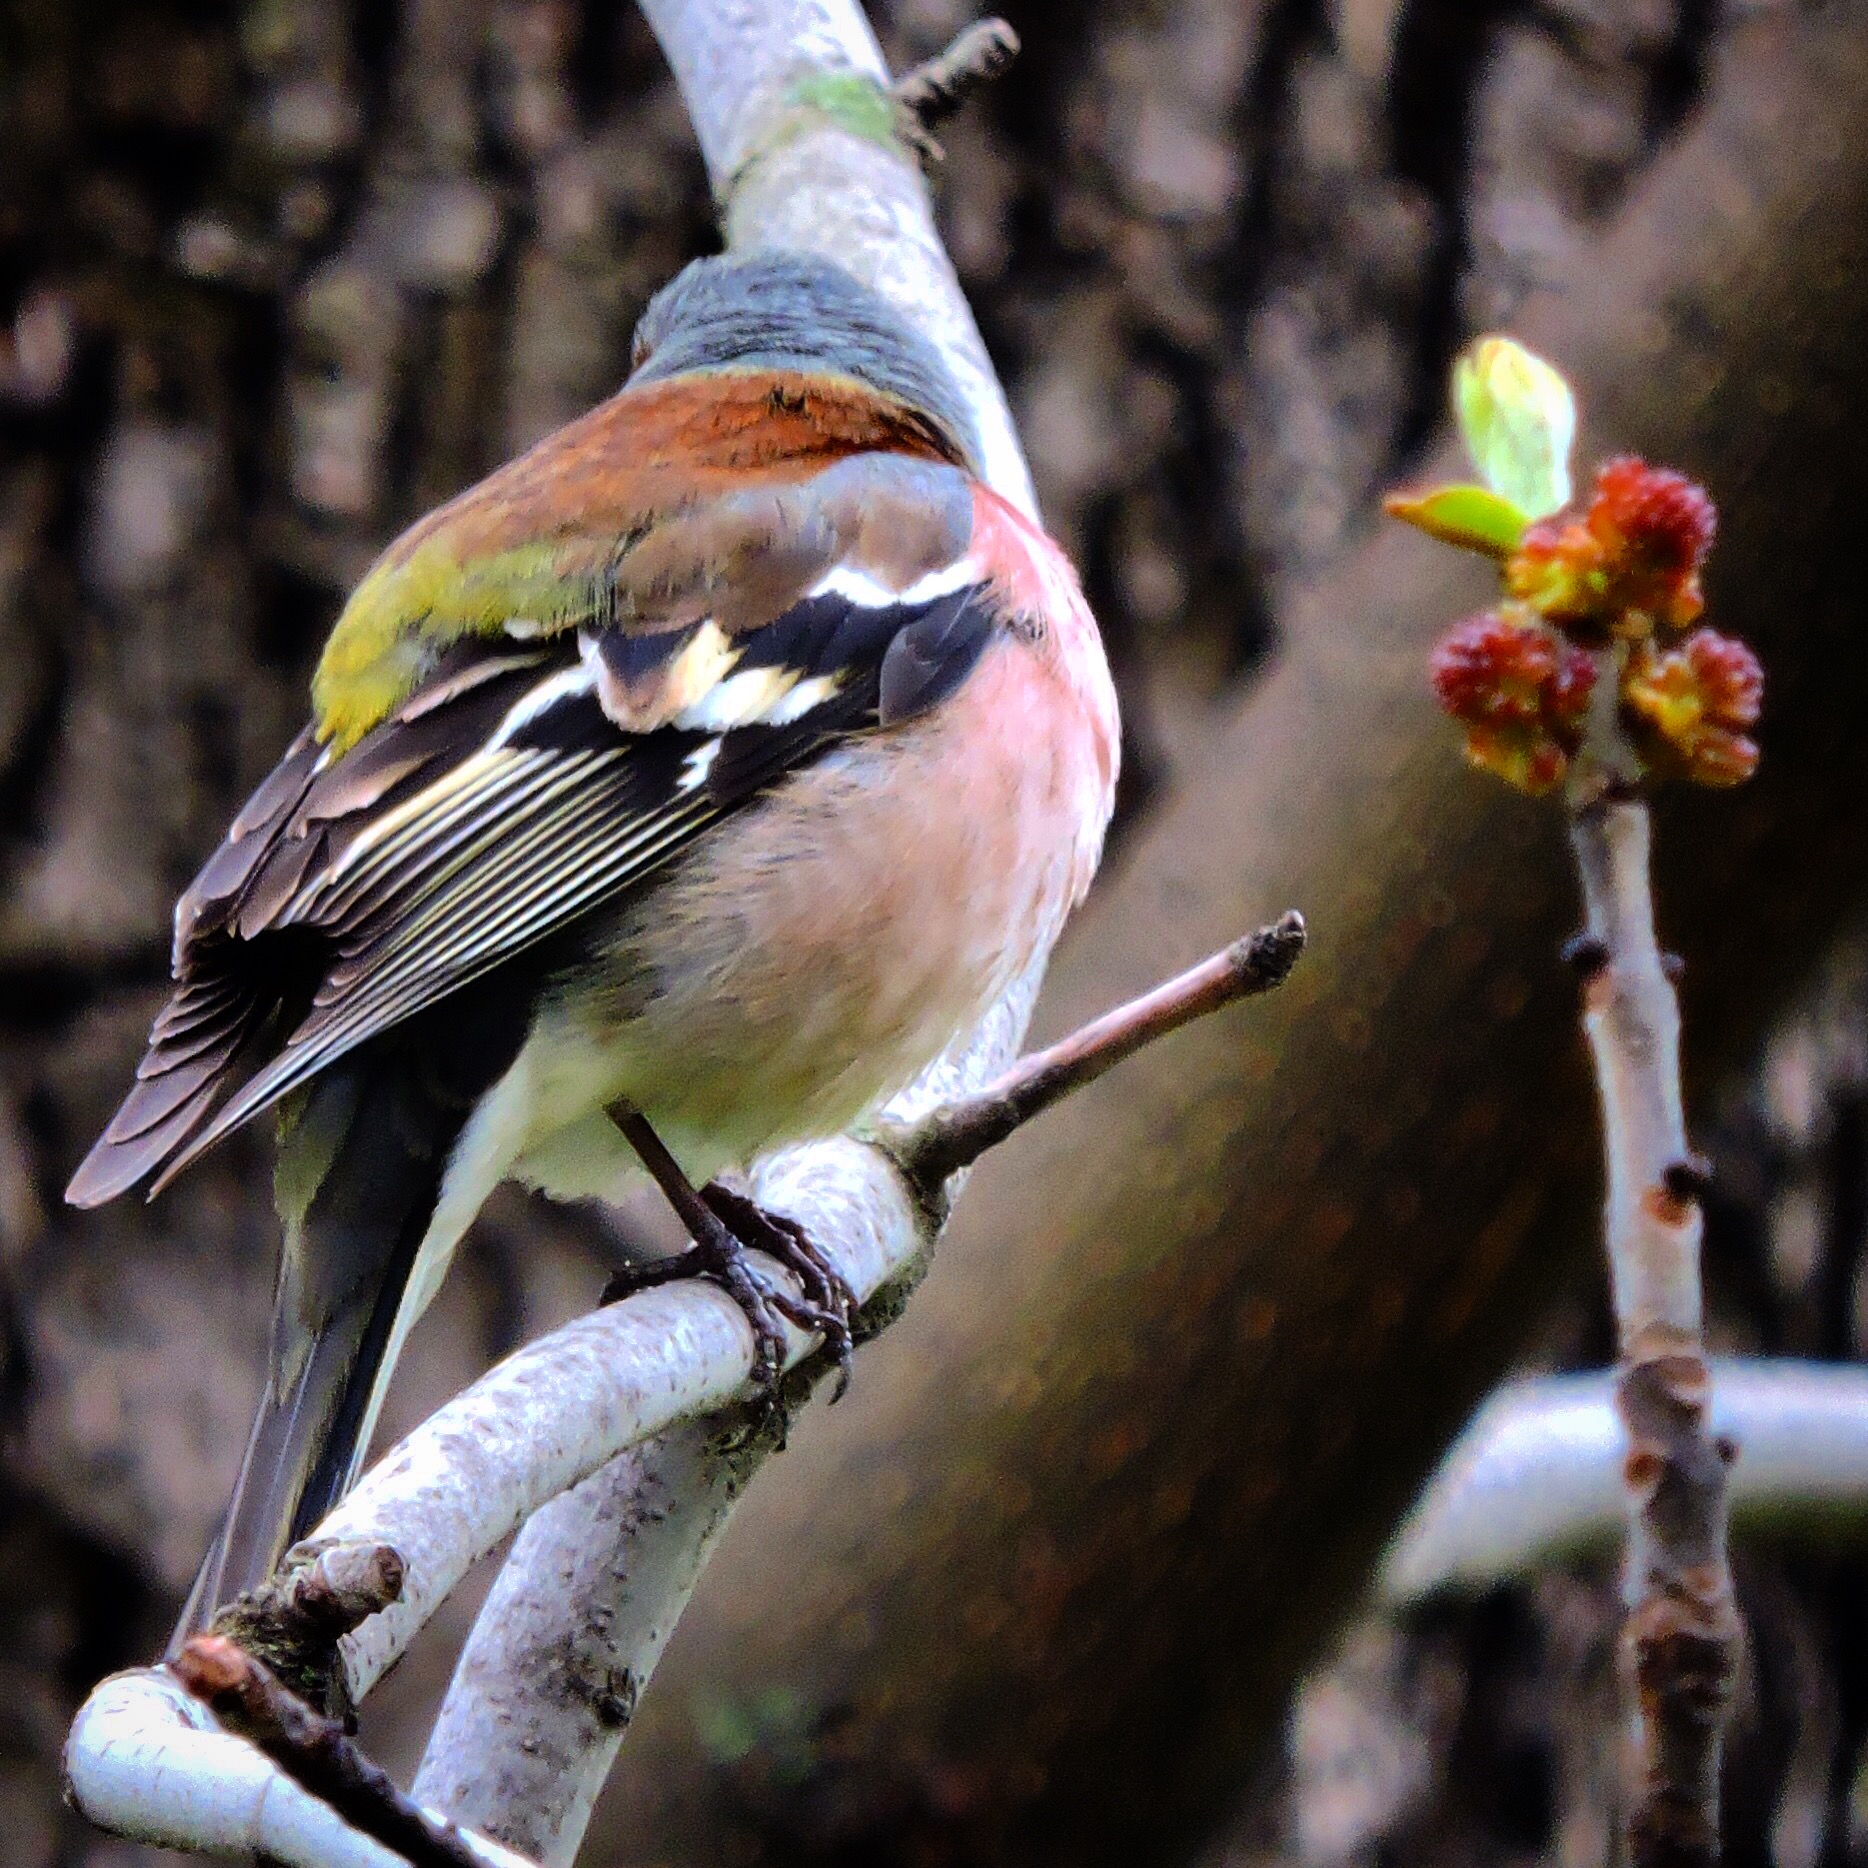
[(681, 790)]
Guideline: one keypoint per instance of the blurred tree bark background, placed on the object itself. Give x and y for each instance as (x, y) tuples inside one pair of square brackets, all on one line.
[(275, 278)]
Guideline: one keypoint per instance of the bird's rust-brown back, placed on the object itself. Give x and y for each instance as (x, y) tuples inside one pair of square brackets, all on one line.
[(543, 538)]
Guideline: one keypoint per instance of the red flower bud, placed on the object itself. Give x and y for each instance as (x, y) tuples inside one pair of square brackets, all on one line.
[(1492, 669), (1520, 692), (1655, 527), (1557, 570), (1630, 562), (1690, 709), (1665, 521), (1566, 701)]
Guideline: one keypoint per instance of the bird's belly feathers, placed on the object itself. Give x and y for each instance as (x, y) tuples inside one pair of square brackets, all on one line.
[(824, 946)]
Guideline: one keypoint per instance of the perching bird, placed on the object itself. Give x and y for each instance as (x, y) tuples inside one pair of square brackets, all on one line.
[(681, 790)]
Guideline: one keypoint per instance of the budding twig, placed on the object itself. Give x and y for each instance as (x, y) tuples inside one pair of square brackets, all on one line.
[(1681, 1641), (1586, 675)]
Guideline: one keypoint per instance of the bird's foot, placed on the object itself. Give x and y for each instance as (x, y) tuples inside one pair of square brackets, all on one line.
[(730, 1224), (828, 1305)]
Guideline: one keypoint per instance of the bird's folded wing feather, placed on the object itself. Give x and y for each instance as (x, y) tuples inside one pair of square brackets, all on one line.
[(526, 778)]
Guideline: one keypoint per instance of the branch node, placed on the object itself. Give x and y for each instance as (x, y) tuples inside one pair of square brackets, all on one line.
[(294, 1620), (1586, 955), (1688, 1179)]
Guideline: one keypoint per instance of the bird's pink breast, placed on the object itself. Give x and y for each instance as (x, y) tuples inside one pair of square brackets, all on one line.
[(821, 950)]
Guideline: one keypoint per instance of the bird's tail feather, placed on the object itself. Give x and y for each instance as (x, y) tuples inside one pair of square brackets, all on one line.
[(309, 1432), (363, 1152)]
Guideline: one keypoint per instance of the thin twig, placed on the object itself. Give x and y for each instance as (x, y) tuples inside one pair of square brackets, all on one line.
[(316, 1753), (938, 87), (1681, 1641), (955, 1135)]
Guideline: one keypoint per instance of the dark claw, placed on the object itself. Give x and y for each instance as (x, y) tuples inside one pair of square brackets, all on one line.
[(823, 1310), (728, 1268), (827, 1304)]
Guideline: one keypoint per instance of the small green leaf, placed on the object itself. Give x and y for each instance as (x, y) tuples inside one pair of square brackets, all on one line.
[(1472, 517), (1518, 419)]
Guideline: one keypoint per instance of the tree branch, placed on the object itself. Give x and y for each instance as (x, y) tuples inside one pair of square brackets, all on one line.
[(549, 1682), (955, 1135), (147, 1760), (591, 1593), (596, 1581), (1681, 1642), (797, 162), (1536, 1473), (316, 1753)]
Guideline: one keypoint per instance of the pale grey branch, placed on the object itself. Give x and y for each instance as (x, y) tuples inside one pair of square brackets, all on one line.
[(1536, 1473)]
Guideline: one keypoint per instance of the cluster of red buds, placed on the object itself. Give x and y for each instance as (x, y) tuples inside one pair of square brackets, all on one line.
[(1690, 709), (1607, 586), (1521, 692), (1627, 564)]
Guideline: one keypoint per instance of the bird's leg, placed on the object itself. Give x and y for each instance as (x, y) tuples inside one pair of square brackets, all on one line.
[(722, 1225), (716, 1252)]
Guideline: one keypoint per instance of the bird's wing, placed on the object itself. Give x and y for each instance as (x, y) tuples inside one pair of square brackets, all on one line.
[(522, 783), (721, 496)]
